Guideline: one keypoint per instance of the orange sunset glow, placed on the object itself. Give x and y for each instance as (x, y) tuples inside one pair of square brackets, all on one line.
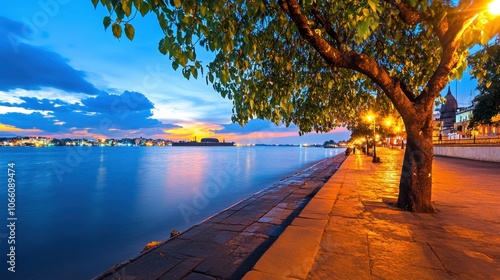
[(10, 128), (189, 131)]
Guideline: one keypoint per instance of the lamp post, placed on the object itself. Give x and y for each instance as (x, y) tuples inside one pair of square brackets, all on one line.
[(388, 123), (372, 118), (367, 141)]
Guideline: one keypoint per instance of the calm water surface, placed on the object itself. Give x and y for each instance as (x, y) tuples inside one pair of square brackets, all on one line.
[(82, 210)]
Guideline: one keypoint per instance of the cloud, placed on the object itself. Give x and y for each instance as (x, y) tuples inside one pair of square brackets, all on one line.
[(33, 103), (256, 125), (30, 67), (131, 101), (34, 120), (106, 114)]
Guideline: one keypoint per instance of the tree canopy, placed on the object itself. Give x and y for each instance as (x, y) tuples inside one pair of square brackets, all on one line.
[(487, 70), (318, 64), (266, 66)]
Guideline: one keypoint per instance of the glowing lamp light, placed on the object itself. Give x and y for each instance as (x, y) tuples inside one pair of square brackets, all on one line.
[(494, 7)]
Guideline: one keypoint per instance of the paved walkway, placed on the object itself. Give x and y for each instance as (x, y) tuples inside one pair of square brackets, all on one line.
[(229, 244), (348, 231)]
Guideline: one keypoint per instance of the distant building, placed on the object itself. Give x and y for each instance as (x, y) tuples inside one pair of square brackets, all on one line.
[(448, 113), (462, 120), (451, 122), (209, 140)]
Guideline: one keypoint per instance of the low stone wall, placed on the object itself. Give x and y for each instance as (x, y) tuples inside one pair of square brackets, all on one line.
[(483, 153)]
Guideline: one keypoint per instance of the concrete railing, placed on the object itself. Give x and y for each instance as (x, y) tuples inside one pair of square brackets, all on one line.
[(488, 141), (483, 153)]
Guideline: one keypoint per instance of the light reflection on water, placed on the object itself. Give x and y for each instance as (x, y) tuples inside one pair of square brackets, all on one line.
[(82, 211)]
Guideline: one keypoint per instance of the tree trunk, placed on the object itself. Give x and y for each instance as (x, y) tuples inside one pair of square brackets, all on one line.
[(415, 186)]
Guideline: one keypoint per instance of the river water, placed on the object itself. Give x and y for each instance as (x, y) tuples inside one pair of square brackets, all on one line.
[(80, 210)]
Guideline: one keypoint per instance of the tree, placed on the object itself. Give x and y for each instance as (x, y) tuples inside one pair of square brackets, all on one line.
[(329, 143), (487, 70), (315, 63)]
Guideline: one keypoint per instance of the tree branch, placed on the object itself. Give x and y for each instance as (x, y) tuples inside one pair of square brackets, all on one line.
[(350, 60), (328, 27), (408, 14), (332, 55), (406, 90), (412, 16), (450, 43)]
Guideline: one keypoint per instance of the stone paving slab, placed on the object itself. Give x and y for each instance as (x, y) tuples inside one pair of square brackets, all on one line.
[(361, 236), (228, 245), (297, 245)]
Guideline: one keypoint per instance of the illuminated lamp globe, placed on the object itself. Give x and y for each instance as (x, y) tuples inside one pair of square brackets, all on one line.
[(494, 7)]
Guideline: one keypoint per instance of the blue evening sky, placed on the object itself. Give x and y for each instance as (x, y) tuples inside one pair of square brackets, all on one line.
[(62, 75)]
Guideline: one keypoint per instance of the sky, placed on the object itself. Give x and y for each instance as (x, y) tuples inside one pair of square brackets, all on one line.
[(62, 75)]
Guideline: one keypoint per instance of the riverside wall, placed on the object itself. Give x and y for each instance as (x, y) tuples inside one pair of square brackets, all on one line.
[(482, 153)]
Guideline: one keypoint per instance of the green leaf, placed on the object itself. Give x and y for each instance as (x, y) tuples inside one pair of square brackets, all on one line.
[(203, 10), (183, 59), (162, 21), (366, 12), (117, 30), (373, 5), (137, 4), (129, 31), (363, 29), (144, 9), (106, 21), (186, 73), (108, 5), (162, 47), (175, 64), (119, 12), (224, 76), (95, 2), (194, 72), (127, 7), (204, 29)]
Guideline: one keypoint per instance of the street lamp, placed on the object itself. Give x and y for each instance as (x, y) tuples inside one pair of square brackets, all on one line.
[(388, 123), (371, 118), (494, 7)]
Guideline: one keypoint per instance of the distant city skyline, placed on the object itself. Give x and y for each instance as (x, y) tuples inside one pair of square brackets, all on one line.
[(65, 77), (41, 141)]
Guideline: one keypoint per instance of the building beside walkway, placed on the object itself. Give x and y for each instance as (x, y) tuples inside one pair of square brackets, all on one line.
[(448, 114), (462, 121), (452, 122)]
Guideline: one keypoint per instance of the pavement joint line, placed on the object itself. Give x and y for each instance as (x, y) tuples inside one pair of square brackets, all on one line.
[(437, 256)]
